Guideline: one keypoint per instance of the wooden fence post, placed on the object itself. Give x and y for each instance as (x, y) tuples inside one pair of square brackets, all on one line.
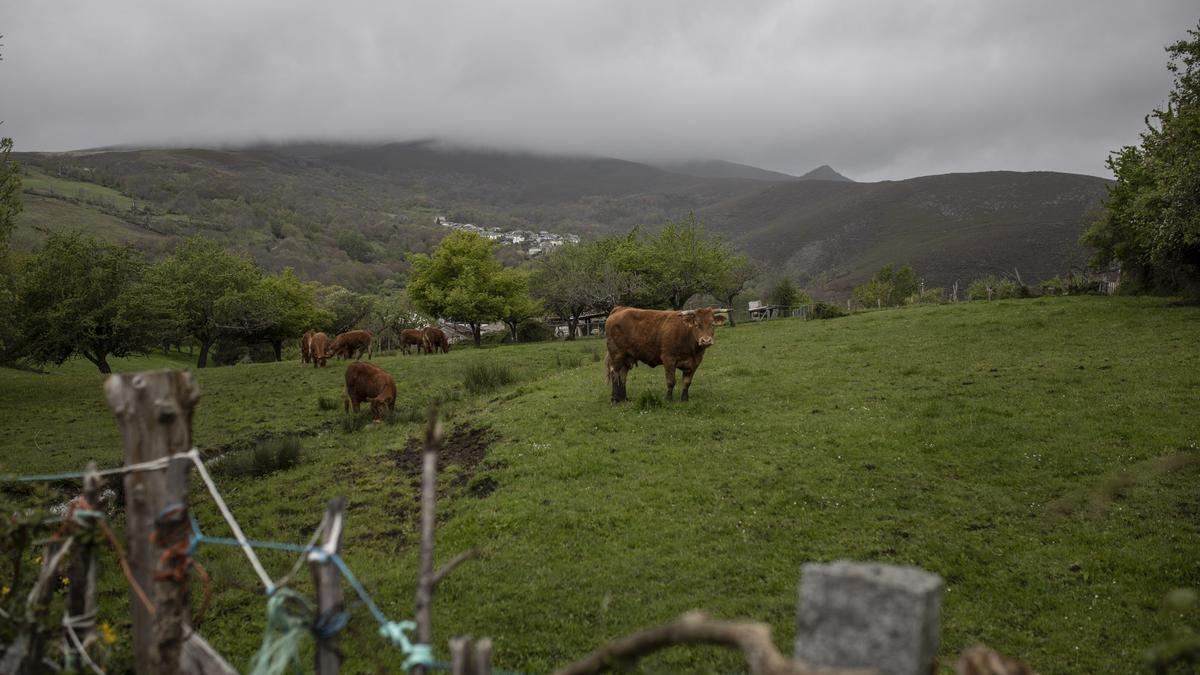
[(425, 582), (327, 579), (154, 412), (80, 611)]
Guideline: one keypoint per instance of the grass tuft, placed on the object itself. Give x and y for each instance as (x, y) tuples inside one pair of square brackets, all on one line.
[(649, 400), (328, 403), (269, 455), (485, 376)]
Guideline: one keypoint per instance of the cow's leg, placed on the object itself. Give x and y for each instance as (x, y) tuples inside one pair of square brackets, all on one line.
[(669, 371), (687, 382)]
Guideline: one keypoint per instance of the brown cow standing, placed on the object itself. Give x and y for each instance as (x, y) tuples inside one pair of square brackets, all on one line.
[(435, 339), (413, 336), (306, 346), (672, 339), (317, 342), (351, 342), (369, 382)]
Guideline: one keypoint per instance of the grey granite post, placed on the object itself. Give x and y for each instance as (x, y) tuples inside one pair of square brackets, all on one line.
[(866, 615)]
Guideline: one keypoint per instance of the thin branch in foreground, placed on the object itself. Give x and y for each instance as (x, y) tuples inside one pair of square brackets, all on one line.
[(449, 567), (695, 628)]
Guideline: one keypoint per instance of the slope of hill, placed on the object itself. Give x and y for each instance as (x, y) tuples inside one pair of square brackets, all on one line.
[(717, 168), (297, 205), (834, 235)]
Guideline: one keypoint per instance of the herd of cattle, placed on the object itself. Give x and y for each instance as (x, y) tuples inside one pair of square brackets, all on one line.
[(673, 339), (367, 382)]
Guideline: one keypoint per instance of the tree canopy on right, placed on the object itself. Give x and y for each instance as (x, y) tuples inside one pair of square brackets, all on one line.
[(1151, 221)]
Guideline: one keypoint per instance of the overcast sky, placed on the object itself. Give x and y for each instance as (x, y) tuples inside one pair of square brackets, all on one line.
[(878, 89)]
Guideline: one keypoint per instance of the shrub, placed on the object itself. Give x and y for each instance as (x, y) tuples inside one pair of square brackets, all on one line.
[(996, 288), (1076, 283), (930, 296), (534, 330), (825, 310), (268, 455), (486, 376)]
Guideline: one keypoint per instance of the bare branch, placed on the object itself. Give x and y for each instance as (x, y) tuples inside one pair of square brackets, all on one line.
[(754, 639), (449, 567)]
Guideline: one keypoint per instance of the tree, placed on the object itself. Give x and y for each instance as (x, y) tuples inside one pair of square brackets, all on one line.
[(679, 262), (79, 296), (349, 309), (10, 207), (888, 288), (518, 306), (275, 308), (195, 281), (786, 294), (592, 276), (459, 280), (731, 279), (1151, 220)]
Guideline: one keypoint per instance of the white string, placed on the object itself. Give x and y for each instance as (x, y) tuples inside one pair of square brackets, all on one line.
[(194, 454), (83, 621), (160, 463)]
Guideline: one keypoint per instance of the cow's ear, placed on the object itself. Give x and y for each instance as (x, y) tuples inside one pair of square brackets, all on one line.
[(719, 320)]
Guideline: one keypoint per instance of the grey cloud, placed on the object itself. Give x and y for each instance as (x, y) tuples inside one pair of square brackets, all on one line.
[(877, 89)]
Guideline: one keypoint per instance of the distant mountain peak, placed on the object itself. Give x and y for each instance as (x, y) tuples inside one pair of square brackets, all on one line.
[(825, 172)]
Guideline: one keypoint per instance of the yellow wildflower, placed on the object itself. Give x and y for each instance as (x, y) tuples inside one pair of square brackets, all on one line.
[(107, 634), (4, 590), (65, 581)]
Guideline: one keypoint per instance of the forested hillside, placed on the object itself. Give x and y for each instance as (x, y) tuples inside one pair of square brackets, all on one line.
[(349, 214)]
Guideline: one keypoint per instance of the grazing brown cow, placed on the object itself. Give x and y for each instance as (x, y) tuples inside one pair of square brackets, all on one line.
[(351, 342), (413, 336), (435, 339), (672, 339), (306, 346), (317, 343), (369, 382)]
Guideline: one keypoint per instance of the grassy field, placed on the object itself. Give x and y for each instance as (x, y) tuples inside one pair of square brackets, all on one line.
[(1041, 455)]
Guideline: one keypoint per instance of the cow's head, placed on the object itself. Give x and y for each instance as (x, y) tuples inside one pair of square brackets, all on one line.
[(381, 403), (702, 322)]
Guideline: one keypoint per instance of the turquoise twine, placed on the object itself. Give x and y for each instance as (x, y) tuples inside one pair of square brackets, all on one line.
[(286, 626), (415, 654)]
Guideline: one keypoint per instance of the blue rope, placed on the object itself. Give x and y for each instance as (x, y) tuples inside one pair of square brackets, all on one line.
[(416, 654), (29, 478)]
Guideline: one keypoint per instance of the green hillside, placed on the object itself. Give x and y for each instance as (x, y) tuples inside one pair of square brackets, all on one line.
[(349, 214), (1041, 455), (834, 235)]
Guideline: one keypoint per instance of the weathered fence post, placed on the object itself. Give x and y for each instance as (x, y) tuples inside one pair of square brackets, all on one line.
[(154, 412), (483, 657), (460, 656), (80, 619), (328, 582), (865, 615)]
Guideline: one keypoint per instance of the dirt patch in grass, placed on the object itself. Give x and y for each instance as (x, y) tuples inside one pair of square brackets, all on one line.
[(1113, 487), (465, 446)]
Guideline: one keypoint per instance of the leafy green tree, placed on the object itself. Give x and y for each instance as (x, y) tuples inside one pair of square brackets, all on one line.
[(10, 207), (593, 276), (1151, 219), (394, 312), (350, 310), (888, 288), (460, 280), (275, 308), (195, 281), (80, 296), (513, 285), (679, 262), (735, 273), (785, 293)]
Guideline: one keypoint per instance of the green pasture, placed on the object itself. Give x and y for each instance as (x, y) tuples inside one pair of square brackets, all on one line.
[(39, 182), (1041, 455)]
